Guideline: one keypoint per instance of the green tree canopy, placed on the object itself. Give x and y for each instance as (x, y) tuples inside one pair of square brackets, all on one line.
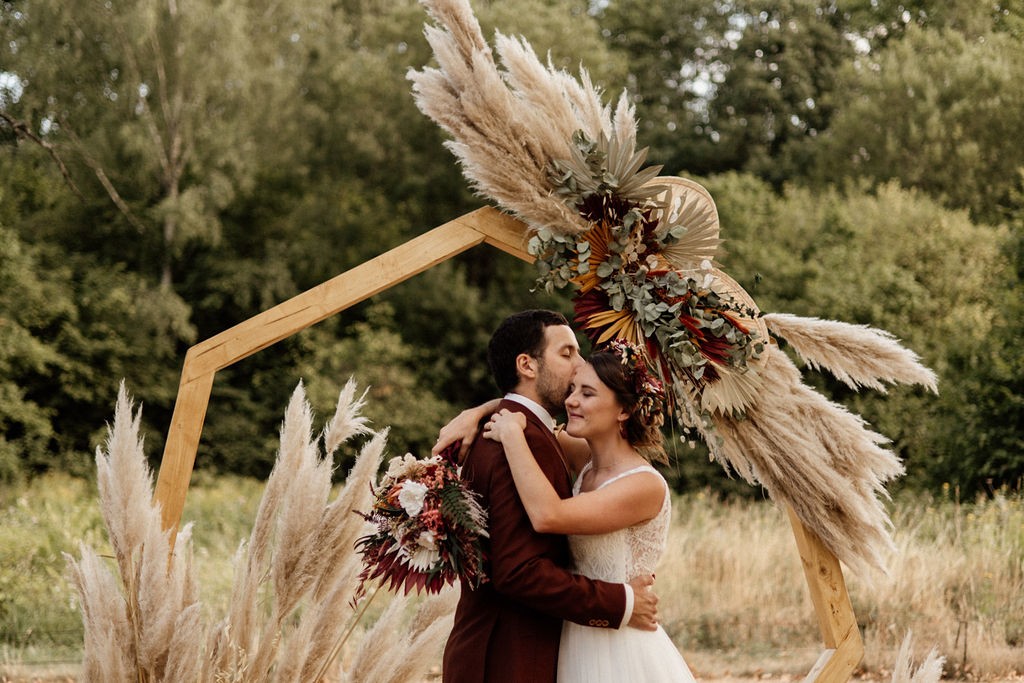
[(173, 169), (899, 261), (937, 111)]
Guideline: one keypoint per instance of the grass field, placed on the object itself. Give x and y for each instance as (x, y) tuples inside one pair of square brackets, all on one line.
[(732, 591)]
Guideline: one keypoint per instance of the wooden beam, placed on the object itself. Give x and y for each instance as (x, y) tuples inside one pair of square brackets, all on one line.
[(832, 606), (351, 287), (182, 444), (301, 311)]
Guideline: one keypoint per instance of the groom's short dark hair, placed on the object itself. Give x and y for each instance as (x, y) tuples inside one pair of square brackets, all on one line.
[(521, 332)]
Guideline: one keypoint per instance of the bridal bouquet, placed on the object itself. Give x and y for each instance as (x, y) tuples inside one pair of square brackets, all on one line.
[(427, 526)]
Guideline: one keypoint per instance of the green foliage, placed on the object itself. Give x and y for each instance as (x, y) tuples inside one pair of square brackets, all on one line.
[(37, 524), (375, 354), (992, 380), (898, 261), (141, 102), (741, 87), (935, 111), (259, 149), (72, 329), (31, 304)]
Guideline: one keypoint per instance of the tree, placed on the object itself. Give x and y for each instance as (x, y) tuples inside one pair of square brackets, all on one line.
[(29, 305), (146, 104), (358, 171), (730, 86), (934, 111), (899, 261), (71, 331)]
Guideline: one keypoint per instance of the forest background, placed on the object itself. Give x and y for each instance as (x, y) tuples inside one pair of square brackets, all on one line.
[(171, 169), (168, 170)]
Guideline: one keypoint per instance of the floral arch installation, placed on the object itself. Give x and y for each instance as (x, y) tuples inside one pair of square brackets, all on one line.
[(843, 646)]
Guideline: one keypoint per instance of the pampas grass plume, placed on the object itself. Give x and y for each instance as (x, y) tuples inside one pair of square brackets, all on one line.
[(130, 625), (347, 422), (510, 123), (930, 670), (295, 577), (857, 355)]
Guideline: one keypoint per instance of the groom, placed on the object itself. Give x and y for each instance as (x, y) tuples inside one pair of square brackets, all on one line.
[(509, 629)]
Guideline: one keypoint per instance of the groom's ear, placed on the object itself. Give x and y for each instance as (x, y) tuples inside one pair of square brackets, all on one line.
[(526, 366)]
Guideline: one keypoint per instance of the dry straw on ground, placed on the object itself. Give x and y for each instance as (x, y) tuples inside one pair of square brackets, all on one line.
[(734, 599), (290, 606)]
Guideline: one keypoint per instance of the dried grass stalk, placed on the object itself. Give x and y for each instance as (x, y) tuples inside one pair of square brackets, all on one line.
[(132, 620), (858, 355), (341, 526), (294, 578), (510, 123), (391, 653), (903, 671), (347, 421), (820, 459), (108, 653)]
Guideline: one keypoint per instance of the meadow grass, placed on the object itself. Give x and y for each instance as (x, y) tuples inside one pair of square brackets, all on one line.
[(733, 596), (735, 601)]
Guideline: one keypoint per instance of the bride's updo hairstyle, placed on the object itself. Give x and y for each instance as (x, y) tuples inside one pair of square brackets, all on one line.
[(622, 367)]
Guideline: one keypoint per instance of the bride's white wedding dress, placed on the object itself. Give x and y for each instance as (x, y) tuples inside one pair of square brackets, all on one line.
[(595, 655)]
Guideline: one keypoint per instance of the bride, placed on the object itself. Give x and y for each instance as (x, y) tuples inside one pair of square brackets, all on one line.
[(618, 517)]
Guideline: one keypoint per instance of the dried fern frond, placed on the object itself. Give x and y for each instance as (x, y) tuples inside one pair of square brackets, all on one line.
[(690, 205), (605, 167)]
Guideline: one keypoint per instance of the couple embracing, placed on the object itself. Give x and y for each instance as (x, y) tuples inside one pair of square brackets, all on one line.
[(570, 564)]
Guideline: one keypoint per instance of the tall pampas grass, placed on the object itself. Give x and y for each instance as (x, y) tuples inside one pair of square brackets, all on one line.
[(291, 605), (857, 355), (132, 619), (819, 458), (903, 671), (510, 122)]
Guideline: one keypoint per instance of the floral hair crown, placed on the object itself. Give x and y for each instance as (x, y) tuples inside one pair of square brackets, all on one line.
[(648, 388)]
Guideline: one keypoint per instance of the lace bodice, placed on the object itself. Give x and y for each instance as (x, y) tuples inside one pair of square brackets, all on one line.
[(624, 554)]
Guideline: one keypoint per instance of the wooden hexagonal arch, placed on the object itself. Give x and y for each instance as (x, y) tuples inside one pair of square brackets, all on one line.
[(842, 640)]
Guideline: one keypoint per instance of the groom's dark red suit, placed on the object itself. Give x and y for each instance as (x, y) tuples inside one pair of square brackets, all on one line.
[(508, 629)]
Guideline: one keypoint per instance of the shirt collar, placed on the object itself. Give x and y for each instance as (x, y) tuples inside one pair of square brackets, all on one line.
[(534, 407)]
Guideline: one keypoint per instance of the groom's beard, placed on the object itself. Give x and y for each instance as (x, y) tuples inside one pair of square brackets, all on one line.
[(551, 392)]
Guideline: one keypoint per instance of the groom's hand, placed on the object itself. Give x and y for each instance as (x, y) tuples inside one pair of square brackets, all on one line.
[(645, 604)]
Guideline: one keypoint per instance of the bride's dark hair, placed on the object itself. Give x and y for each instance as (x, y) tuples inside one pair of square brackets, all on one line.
[(642, 429)]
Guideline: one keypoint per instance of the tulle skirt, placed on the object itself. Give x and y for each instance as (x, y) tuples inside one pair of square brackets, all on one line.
[(626, 655)]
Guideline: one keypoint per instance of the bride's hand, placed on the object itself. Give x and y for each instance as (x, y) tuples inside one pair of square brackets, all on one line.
[(503, 424)]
